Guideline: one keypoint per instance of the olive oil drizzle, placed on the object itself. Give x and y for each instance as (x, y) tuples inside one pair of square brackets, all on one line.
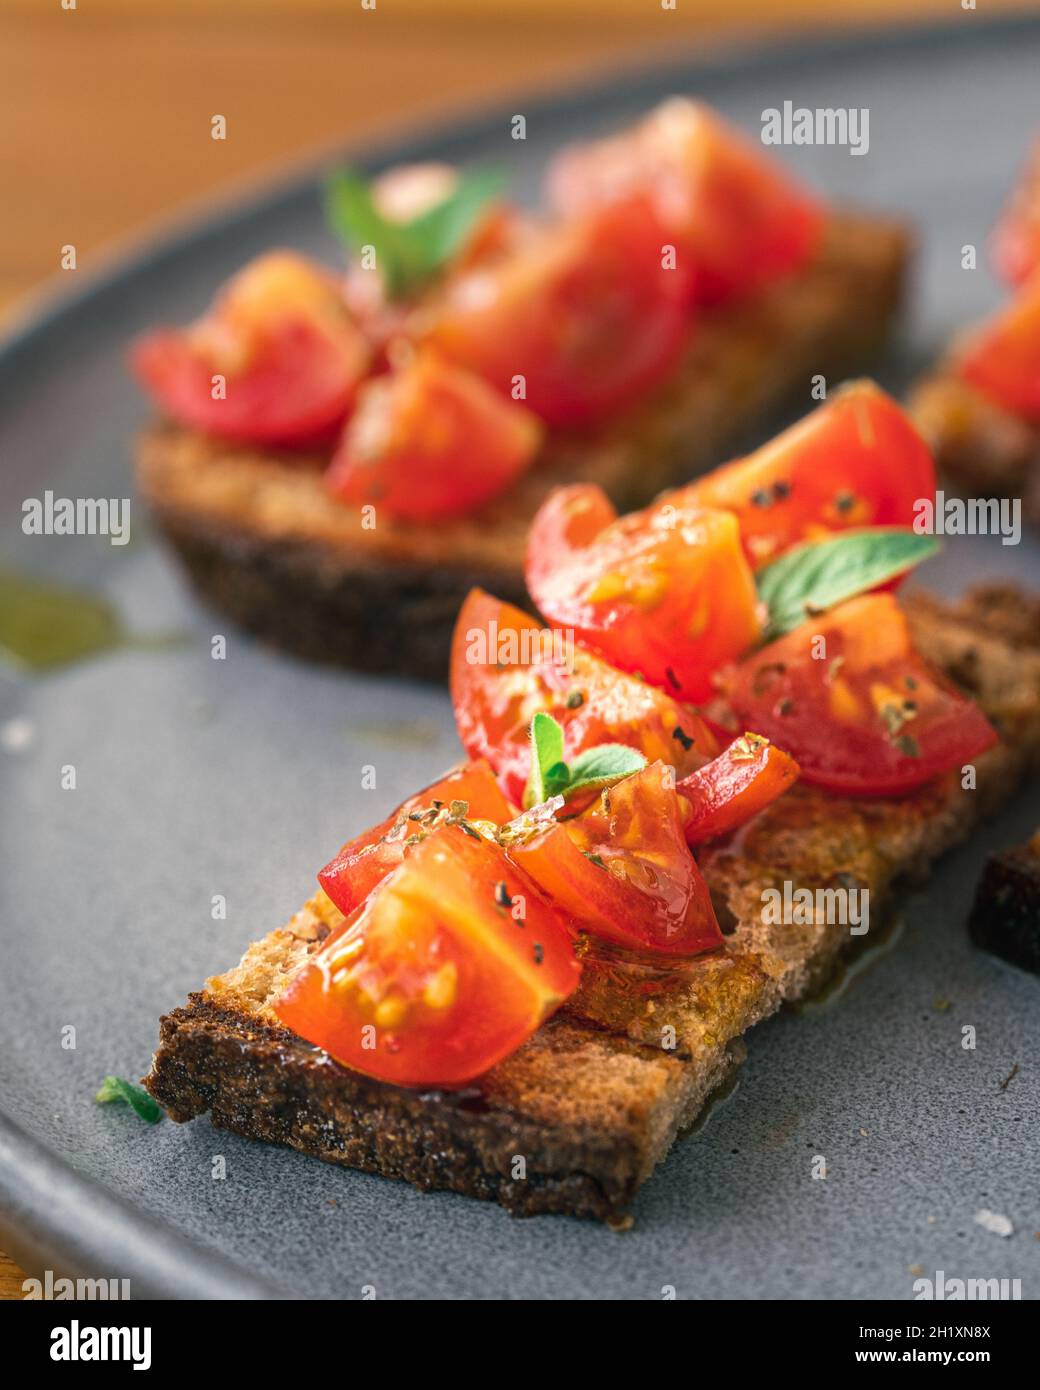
[(44, 626)]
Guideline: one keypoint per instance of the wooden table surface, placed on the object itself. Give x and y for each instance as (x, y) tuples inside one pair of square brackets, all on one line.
[(106, 107)]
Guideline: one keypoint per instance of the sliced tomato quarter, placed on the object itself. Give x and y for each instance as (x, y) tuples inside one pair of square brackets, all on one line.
[(578, 321), (430, 441), (447, 968), (277, 359), (468, 792), (725, 793), (850, 699), (1002, 358), (738, 218), (505, 668), (855, 461), (665, 592), (622, 872)]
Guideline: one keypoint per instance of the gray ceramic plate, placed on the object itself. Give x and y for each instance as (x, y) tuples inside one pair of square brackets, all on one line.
[(197, 777)]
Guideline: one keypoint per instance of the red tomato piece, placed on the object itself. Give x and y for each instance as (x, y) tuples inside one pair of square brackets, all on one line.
[(1002, 358), (738, 219), (861, 712), (432, 440), (666, 592), (585, 313), (443, 971), (1015, 242), (855, 461), (280, 336), (740, 782), (622, 871), (365, 861), (505, 669)]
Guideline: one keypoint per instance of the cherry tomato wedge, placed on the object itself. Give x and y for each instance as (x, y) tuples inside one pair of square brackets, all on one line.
[(365, 861), (432, 440), (740, 782), (1002, 358), (855, 461), (666, 592), (1015, 243), (737, 218), (280, 337), (505, 669), (860, 710), (447, 968), (622, 871), (584, 317)]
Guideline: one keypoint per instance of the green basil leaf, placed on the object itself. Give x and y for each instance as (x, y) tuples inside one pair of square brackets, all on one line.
[(547, 762), (142, 1104), (408, 254), (814, 577), (597, 767), (443, 229)]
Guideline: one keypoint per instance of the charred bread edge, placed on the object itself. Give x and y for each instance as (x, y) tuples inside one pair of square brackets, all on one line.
[(393, 608), (587, 1156)]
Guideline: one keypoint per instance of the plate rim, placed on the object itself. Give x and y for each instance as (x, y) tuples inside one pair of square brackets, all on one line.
[(54, 1217)]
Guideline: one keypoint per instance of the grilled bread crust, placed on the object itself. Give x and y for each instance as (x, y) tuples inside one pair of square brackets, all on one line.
[(594, 1100), (985, 450), (264, 542)]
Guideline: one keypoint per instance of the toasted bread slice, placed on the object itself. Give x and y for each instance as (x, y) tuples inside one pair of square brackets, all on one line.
[(1005, 917), (984, 449), (264, 542), (593, 1101)]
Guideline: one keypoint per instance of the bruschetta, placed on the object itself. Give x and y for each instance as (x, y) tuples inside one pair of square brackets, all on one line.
[(341, 458), (527, 980)]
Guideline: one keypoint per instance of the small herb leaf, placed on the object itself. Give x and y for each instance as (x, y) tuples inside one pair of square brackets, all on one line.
[(606, 763), (408, 254), (595, 767), (142, 1104), (548, 769), (814, 577)]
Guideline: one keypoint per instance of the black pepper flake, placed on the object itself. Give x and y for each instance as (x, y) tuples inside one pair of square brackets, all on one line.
[(681, 736), (764, 674), (908, 745), (781, 489), (844, 502), (910, 683), (761, 498), (575, 699), (673, 678), (539, 953), (785, 706), (502, 896)]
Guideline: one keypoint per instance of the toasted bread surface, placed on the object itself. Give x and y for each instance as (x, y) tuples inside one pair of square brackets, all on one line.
[(264, 541), (984, 449), (593, 1101)]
